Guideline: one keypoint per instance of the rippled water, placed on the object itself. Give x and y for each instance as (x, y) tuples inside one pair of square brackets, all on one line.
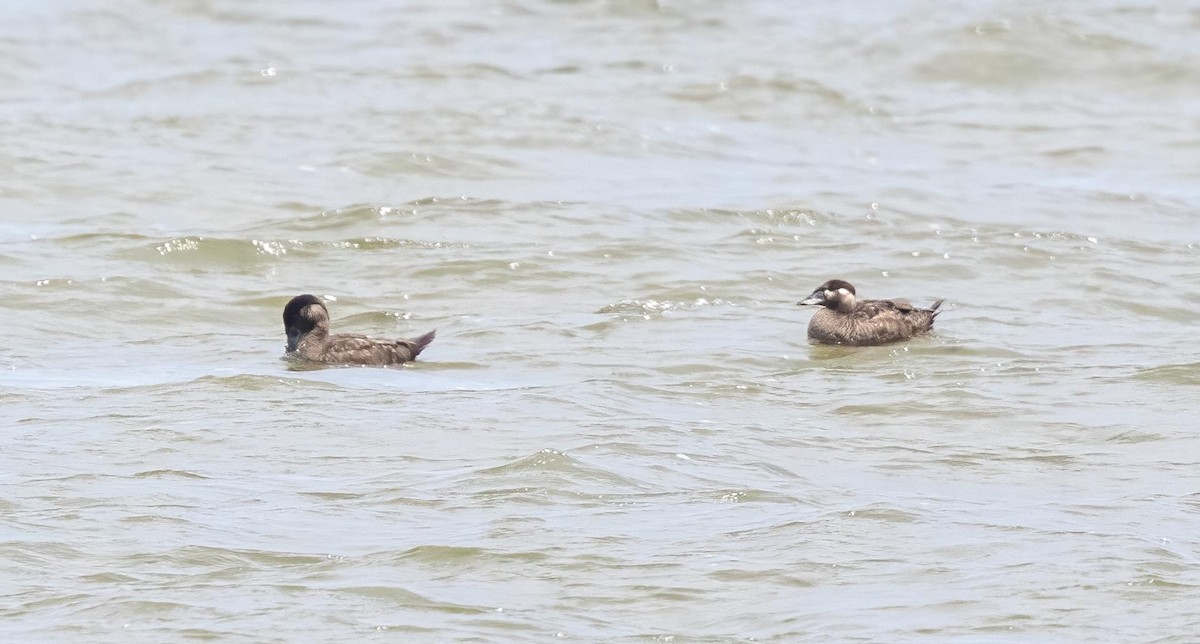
[(608, 210)]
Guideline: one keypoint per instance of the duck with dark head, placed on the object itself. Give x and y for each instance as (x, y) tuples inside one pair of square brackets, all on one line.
[(306, 321), (845, 319)]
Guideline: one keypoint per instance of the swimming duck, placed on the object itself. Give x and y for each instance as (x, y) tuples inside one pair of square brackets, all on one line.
[(306, 321), (846, 320)]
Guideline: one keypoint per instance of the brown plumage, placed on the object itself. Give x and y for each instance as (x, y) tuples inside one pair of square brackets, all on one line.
[(306, 321), (846, 320)]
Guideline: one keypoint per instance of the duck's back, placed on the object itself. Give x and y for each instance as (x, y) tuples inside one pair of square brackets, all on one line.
[(359, 349), (872, 322)]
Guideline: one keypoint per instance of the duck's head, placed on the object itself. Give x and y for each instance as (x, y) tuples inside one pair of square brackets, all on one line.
[(834, 294), (303, 314)]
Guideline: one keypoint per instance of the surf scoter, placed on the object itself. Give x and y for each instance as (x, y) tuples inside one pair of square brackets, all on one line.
[(306, 321), (847, 320)]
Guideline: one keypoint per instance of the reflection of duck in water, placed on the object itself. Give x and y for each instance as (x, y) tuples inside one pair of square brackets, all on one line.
[(306, 321), (846, 320)]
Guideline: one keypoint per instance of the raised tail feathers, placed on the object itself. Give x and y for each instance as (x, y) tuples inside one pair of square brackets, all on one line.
[(419, 344), (933, 308)]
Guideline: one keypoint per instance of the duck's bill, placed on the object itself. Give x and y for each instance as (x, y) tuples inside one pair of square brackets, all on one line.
[(815, 298)]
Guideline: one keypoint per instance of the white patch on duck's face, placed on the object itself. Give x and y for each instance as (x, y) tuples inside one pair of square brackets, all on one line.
[(842, 299), (315, 313)]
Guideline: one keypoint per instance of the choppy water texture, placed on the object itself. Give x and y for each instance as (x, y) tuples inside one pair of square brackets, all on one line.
[(608, 209)]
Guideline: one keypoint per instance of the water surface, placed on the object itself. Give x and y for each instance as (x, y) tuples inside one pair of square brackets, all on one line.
[(608, 209)]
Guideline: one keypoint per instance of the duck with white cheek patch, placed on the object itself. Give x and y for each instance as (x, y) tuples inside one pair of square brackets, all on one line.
[(844, 319), (306, 321)]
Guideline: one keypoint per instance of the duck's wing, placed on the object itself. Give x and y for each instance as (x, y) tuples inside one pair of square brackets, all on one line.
[(344, 348), (871, 309), (359, 349), (883, 321)]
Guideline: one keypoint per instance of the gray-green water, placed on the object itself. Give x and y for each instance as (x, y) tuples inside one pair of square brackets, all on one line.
[(608, 210)]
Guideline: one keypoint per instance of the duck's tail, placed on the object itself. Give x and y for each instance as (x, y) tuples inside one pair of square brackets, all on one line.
[(419, 344), (933, 310)]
